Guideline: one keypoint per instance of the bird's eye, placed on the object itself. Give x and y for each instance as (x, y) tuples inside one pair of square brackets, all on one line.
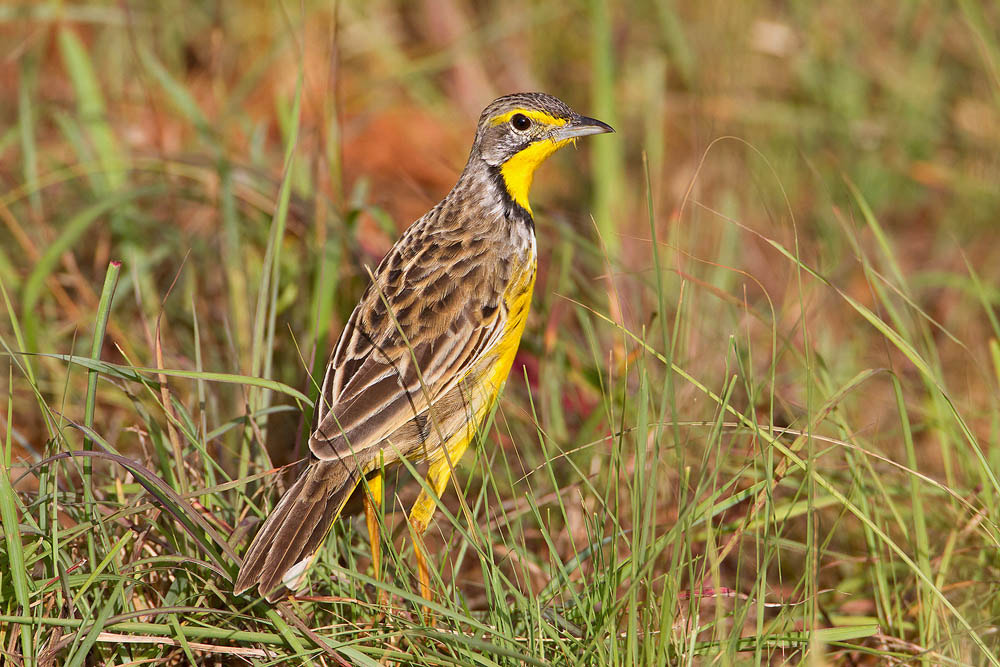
[(520, 122)]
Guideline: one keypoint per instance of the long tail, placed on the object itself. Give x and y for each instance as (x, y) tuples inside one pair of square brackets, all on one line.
[(290, 537)]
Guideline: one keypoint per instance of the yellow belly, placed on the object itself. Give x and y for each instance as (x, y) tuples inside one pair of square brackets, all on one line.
[(518, 303), (487, 386)]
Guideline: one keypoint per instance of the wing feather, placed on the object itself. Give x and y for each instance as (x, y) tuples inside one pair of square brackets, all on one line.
[(388, 369)]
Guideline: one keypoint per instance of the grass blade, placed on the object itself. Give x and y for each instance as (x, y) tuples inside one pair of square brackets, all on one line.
[(103, 312), (14, 547)]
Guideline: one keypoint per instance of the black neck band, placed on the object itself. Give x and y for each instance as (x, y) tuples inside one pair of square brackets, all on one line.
[(511, 208)]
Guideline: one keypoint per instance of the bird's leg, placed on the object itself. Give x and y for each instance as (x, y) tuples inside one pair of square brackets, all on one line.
[(423, 509), (373, 503)]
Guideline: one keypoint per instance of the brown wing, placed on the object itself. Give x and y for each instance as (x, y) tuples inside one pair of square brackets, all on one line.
[(391, 364)]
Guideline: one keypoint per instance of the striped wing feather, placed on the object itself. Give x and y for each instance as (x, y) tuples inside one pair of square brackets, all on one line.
[(388, 370)]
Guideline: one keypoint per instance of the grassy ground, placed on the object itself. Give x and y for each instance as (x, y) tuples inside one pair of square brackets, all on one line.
[(755, 413)]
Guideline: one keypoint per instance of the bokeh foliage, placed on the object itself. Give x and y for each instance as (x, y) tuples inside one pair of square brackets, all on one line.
[(755, 411)]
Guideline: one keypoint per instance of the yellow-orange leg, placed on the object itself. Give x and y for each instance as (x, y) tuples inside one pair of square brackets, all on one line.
[(373, 503), (423, 509)]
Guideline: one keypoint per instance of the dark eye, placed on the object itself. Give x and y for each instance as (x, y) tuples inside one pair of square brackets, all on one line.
[(520, 122)]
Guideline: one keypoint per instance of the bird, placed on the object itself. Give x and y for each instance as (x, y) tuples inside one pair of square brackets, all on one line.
[(423, 356)]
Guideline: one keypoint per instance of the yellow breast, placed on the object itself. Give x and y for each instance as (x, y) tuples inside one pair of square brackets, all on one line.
[(518, 300), (487, 379)]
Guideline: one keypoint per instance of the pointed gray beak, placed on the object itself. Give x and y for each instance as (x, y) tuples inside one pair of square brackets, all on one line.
[(581, 126)]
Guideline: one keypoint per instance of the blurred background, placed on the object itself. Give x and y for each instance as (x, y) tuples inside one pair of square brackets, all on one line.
[(747, 120), (798, 194)]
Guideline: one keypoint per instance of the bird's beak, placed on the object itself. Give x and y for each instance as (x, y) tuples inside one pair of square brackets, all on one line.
[(581, 126)]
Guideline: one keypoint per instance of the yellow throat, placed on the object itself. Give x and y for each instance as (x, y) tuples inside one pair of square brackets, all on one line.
[(519, 170)]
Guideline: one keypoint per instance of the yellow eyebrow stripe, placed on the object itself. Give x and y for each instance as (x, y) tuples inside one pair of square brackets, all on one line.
[(539, 116)]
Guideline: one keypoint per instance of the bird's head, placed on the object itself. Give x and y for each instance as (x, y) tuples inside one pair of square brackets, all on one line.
[(518, 132)]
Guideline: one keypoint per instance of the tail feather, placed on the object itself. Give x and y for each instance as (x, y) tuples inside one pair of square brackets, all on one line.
[(296, 528), (312, 513)]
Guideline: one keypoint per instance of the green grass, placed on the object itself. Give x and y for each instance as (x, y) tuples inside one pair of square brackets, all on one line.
[(754, 414)]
